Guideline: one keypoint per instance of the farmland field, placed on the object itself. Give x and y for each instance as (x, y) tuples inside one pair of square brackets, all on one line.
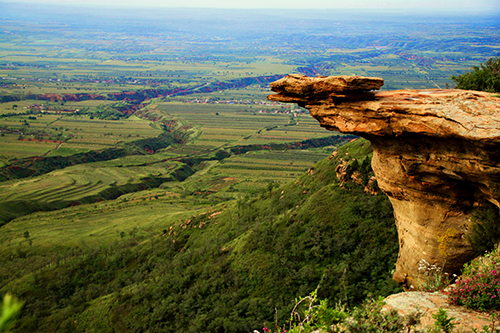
[(59, 134), (87, 111)]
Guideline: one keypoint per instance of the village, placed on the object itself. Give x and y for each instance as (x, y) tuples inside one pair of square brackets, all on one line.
[(280, 107)]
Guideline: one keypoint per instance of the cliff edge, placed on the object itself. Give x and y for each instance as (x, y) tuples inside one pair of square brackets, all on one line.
[(435, 156)]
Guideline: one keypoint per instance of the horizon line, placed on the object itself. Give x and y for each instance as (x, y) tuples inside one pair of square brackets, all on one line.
[(125, 5)]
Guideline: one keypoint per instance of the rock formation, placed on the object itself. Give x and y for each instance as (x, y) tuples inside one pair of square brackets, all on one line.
[(427, 304), (435, 156)]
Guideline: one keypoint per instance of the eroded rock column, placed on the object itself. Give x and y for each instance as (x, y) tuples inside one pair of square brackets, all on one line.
[(435, 156)]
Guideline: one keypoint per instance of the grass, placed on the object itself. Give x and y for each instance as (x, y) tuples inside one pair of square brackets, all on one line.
[(78, 184), (97, 223)]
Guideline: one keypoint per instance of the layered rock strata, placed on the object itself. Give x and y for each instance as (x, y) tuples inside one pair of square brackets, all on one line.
[(436, 155)]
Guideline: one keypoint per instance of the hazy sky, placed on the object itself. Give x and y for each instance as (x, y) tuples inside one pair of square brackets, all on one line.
[(452, 5)]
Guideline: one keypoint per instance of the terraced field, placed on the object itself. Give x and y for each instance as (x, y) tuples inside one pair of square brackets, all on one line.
[(24, 137), (98, 223), (226, 125), (80, 184), (13, 148), (254, 170)]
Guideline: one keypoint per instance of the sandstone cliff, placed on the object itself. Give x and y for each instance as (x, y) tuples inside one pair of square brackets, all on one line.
[(435, 156)]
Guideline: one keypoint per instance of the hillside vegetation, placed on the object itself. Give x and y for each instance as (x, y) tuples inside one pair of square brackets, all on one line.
[(226, 268)]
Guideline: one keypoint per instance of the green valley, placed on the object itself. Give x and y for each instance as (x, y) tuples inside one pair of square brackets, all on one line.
[(139, 263)]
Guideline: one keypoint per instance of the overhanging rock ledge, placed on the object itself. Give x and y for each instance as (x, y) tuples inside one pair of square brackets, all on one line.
[(436, 156)]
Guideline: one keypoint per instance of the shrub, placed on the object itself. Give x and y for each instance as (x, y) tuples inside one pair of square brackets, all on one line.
[(443, 322), (315, 316), (479, 286), (431, 277), (484, 229), (486, 77), (369, 317)]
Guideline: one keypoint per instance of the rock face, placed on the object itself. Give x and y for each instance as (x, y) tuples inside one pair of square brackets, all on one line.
[(436, 155)]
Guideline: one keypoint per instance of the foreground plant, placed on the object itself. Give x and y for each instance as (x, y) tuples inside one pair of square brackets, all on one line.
[(431, 277), (369, 317), (307, 315), (8, 312), (479, 286), (313, 315), (443, 323)]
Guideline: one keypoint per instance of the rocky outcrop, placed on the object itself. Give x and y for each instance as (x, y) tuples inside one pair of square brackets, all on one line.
[(435, 156), (427, 304)]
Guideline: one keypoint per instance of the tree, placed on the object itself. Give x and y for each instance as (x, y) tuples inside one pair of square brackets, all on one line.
[(486, 77), (27, 236)]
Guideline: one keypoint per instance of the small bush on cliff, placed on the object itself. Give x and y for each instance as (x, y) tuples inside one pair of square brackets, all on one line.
[(307, 315), (486, 77), (484, 230), (443, 323), (431, 277), (479, 286)]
